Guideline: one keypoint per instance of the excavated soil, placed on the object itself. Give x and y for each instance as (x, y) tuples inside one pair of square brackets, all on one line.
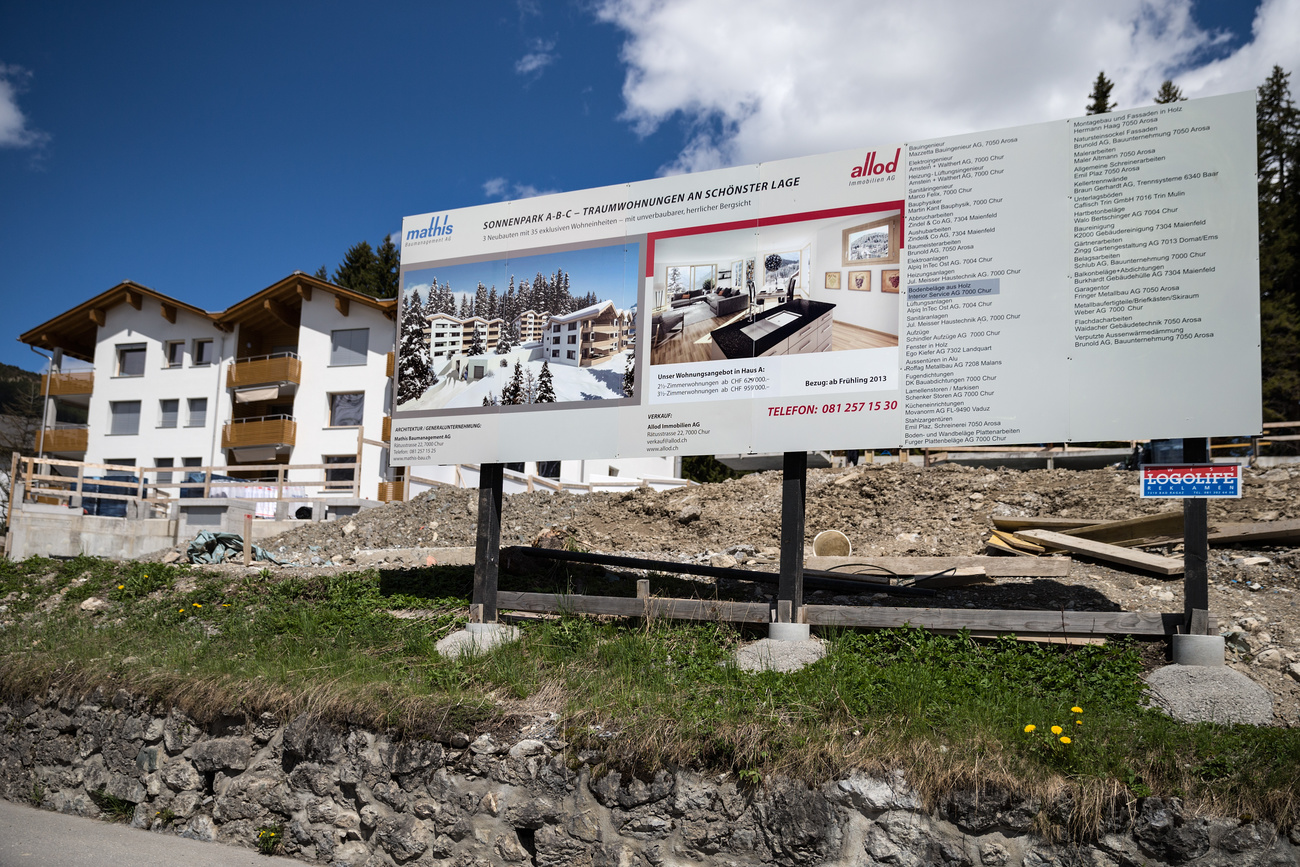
[(885, 510)]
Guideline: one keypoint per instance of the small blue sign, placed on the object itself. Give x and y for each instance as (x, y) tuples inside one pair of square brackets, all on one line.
[(1191, 480)]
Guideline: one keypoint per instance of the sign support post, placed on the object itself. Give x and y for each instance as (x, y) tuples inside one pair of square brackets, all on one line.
[(1196, 547), (789, 594), (487, 555)]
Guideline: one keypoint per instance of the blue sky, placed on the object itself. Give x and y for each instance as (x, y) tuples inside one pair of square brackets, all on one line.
[(208, 150), (609, 271)]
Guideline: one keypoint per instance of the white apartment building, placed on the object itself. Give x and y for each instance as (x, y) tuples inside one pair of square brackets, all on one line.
[(531, 325), (587, 336), (173, 385), (451, 335)]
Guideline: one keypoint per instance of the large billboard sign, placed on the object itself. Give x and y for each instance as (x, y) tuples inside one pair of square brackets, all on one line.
[(1087, 279)]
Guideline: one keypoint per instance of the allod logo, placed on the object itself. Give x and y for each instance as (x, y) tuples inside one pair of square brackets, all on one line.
[(871, 167), (437, 226)]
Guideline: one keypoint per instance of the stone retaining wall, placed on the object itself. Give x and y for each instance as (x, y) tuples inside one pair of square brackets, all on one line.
[(356, 797)]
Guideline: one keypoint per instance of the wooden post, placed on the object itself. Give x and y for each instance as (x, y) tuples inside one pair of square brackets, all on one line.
[(248, 540), (487, 555), (279, 484), (1196, 546), (794, 479), (643, 588), (356, 471), (207, 482)]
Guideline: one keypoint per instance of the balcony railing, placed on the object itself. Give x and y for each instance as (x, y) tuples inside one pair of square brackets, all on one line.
[(264, 369), (63, 384), (386, 431), (266, 430), (63, 439), (390, 366)]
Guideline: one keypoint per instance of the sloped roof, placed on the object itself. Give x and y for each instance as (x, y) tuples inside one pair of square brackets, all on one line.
[(76, 331)]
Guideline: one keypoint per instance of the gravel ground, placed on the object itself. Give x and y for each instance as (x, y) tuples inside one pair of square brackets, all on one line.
[(884, 510)]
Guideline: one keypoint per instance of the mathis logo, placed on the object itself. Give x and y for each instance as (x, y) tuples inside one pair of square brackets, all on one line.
[(437, 226)]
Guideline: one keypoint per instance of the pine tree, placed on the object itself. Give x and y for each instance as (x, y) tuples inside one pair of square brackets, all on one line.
[(504, 342), (415, 369), (545, 386), (358, 270), (476, 347), (513, 393), (1278, 142), (388, 262), (530, 386), (480, 302), (629, 375), (465, 312), (1169, 92), (322, 274), (493, 309), (1100, 95)]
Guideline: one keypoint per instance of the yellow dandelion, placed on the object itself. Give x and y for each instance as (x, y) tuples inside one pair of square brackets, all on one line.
[(1056, 730), (197, 605), (1076, 709), (180, 610), (1064, 739), (1031, 727), (121, 587), (1078, 722)]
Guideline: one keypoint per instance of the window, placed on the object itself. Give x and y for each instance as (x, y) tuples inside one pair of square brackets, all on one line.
[(130, 360), (191, 462), (164, 478), (198, 412), (555, 353), (348, 346), (569, 355), (555, 329), (342, 477), (169, 412), (201, 355), (573, 338), (175, 350), (573, 326), (118, 462), (346, 409), (124, 417)]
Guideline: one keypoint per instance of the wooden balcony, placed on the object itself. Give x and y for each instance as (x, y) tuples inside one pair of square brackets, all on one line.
[(386, 432), (271, 430), (64, 439), (391, 366), (64, 384), (264, 369), (390, 492)]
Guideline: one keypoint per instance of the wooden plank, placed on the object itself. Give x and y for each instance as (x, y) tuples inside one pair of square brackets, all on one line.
[(1021, 544), (1111, 553), (1003, 522), (1114, 532), (1035, 622), (963, 577), (995, 567), (996, 544), (621, 606), (1263, 531), (1272, 424)]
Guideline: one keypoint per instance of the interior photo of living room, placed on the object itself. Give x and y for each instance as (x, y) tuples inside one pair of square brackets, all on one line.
[(792, 288)]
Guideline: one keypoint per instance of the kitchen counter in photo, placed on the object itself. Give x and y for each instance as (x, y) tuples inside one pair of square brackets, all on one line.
[(788, 329)]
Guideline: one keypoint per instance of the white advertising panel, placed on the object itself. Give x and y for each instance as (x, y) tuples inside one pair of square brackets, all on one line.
[(1088, 279)]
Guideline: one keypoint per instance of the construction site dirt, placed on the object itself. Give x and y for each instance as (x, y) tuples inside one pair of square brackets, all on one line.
[(885, 510)]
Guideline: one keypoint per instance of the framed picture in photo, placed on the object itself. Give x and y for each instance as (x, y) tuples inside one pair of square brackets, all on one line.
[(889, 280), (832, 279), (860, 280), (874, 243)]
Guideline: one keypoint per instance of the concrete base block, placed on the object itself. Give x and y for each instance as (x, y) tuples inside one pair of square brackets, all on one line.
[(788, 631), (1204, 650), (477, 638)]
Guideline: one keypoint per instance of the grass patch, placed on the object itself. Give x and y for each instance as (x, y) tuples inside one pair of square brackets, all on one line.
[(950, 710)]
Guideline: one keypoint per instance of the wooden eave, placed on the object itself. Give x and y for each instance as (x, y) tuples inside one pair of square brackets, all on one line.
[(76, 331), (288, 294)]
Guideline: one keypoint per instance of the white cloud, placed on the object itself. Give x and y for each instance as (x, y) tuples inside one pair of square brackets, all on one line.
[(756, 80), (503, 188), (536, 60), (14, 131)]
